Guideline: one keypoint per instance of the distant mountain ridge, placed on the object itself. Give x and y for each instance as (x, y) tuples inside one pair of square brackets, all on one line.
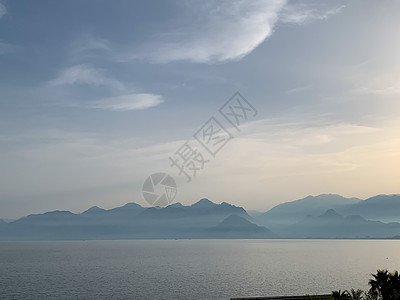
[(322, 216), (133, 221), (333, 225), (334, 216), (380, 208), (235, 226), (294, 211)]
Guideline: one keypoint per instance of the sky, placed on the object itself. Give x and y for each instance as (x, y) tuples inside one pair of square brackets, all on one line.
[(95, 96)]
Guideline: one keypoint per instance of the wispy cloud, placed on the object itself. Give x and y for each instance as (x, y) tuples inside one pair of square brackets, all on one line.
[(227, 30), (122, 99), (299, 89), (85, 74), (208, 31), (375, 77), (87, 46), (91, 43), (299, 13), (128, 102)]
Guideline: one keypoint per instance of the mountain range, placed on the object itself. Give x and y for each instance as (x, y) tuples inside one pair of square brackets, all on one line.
[(323, 216), (333, 225), (203, 219), (385, 208)]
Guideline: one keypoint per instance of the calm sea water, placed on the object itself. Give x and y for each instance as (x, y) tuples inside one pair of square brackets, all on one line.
[(188, 269)]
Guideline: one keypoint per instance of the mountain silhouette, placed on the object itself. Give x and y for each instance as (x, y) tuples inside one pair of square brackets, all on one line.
[(382, 207), (291, 212), (333, 225), (323, 216), (235, 226), (331, 215), (133, 221), (94, 210)]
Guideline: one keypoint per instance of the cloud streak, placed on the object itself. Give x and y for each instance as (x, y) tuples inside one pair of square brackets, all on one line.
[(300, 13), (84, 74), (227, 30), (123, 99), (128, 102)]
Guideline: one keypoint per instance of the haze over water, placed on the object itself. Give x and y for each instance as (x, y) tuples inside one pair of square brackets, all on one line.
[(189, 269)]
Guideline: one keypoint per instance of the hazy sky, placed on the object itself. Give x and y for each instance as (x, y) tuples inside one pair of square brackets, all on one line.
[(97, 95)]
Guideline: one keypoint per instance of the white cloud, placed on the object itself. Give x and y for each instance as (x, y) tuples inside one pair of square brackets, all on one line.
[(227, 30), (128, 102), (300, 13), (122, 99), (3, 10), (86, 75)]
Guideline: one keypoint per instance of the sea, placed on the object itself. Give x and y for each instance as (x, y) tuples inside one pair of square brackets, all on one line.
[(189, 269)]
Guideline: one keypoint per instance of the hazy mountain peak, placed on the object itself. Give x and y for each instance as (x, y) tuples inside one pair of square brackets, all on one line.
[(59, 212), (384, 197), (330, 197), (204, 203), (127, 207), (94, 209), (381, 207), (131, 204), (238, 227), (331, 214), (176, 205), (208, 219), (322, 196), (295, 211), (235, 221)]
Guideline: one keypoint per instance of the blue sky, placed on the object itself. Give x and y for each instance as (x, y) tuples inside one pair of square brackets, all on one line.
[(96, 95)]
